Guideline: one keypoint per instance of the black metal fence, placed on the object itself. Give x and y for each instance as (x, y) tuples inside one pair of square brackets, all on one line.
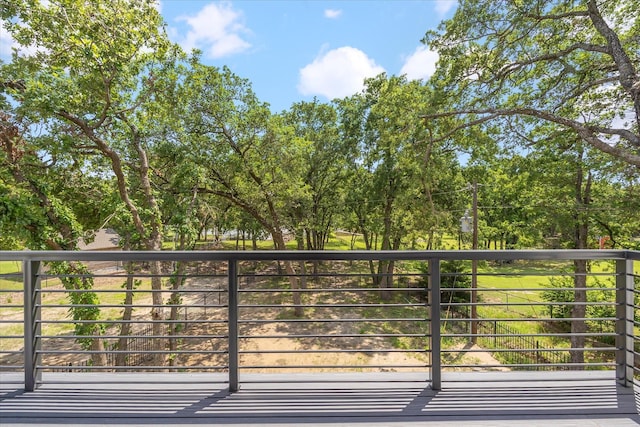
[(526, 350)]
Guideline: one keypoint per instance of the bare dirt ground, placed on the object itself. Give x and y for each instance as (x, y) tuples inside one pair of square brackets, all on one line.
[(264, 352)]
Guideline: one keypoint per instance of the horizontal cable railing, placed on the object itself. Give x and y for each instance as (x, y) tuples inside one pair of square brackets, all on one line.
[(340, 319), (306, 311), (11, 316)]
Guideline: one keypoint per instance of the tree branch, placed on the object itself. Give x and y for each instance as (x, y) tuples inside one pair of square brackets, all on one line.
[(628, 74), (585, 131), (556, 16), (116, 166), (514, 66)]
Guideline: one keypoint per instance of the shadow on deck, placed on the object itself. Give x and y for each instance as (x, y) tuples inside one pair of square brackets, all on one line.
[(320, 399)]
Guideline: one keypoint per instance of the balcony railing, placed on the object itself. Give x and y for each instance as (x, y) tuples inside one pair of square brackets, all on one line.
[(305, 311)]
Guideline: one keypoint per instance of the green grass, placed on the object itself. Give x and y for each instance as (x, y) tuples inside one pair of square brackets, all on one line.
[(10, 284), (535, 277), (341, 240), (8, 267), (338, 241)]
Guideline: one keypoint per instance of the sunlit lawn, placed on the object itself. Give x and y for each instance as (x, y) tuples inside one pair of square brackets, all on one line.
[(10, 283), (523, 284), (339, 240)]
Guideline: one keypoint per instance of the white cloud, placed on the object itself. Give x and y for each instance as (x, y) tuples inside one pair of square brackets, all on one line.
[(421, 64), (7, 44), (332, 13), (444, 6), (337, 73), (6, 41), (216, 29)]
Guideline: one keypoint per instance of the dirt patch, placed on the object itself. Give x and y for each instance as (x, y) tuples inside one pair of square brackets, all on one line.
[(268, 346), (472, 354)]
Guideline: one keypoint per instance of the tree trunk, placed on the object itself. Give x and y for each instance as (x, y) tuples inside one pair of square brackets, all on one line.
[(157, 310), (175, 300), (579, 311), (278, 240), (578, 327), (125, 328), (303, 266), (385, 267), (369, 246)]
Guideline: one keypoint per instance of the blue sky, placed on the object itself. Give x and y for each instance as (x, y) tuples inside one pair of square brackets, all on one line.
[(295, 50)]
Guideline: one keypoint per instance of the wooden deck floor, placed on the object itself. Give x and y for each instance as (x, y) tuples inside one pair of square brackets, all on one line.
[(386, 399)]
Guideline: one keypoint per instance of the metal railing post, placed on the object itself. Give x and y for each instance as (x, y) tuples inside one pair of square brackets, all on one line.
[(32, 327), (434, 304), (624, 323), (233, 326)]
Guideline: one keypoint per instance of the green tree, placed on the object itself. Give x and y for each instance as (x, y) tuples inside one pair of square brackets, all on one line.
[(325, 163), (566, 185), (504, 200), (35, 209), (253, 160), (525, 64), (558, 74), (398, 167), (93, 81)]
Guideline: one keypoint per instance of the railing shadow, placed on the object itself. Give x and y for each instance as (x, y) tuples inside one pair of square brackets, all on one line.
[(167, 400)]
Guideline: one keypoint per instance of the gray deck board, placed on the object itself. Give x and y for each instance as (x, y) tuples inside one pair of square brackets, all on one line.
[(385, 399)]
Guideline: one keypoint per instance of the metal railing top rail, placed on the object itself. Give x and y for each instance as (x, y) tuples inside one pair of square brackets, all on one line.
[(296, 255), (633, 255)]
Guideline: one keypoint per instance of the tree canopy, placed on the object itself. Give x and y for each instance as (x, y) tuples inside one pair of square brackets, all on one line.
[(106, 122), (527, 64)]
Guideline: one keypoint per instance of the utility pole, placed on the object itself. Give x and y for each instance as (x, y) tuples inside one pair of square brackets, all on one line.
[(474, 268)]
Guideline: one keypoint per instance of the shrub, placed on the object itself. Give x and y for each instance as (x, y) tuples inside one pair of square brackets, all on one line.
[(454, 280)]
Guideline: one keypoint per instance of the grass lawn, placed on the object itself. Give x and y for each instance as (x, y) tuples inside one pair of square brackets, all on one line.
[(508, 282), (524, 283), (8, 267), (10, 283), (338, 241)]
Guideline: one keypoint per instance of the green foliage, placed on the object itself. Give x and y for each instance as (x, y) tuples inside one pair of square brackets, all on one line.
[(324, 170), (399, 177), (248, 156), (560, 290), (175, 146), (454, 276), (538, 67), (84, 304)]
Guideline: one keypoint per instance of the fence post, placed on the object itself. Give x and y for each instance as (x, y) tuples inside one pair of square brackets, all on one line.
[(624, 322), (435, 344), (32, 327), (233, 325)]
